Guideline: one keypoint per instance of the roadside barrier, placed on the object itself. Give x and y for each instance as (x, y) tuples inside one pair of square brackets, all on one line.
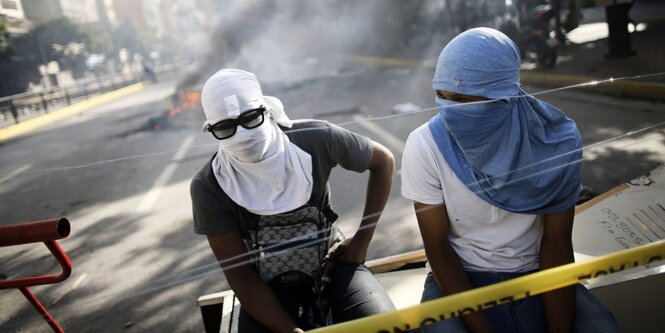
[(482, 298), (33, 232)]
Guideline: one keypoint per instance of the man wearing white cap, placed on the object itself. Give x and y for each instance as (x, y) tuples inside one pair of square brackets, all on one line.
[(263, 203)]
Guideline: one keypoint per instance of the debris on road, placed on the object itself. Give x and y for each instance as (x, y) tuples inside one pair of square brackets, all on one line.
[(406, 108)]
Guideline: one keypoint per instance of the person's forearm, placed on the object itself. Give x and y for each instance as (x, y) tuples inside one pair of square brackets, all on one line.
[(559, 305), (452, 278), (259, 301), (556, 249), (559, 308), (378, 190), (381, 172)]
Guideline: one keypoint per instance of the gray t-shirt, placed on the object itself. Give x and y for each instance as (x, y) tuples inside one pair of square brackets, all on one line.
[(328, 145)]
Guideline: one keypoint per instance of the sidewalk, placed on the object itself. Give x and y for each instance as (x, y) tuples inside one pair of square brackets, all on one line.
[(16, 130), (583, 58)]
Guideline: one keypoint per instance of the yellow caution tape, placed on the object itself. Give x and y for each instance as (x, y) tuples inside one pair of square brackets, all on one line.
[(488, 296)]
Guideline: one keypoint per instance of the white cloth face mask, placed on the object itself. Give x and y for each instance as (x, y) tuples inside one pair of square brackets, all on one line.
[(251, 145)]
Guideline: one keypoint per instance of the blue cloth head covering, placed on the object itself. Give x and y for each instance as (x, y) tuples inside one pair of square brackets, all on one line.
[(515, 152), (479, 62)]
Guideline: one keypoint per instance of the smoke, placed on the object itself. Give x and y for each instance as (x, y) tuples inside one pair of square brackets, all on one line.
[(298, 39)]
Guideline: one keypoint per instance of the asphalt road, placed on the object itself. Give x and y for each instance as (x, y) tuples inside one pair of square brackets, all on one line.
[(120, 173)]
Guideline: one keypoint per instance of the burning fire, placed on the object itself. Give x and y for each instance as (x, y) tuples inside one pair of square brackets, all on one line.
[(184, 100)]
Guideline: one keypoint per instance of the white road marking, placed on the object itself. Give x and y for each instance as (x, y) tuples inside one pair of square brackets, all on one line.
[(151, 197), (79, 280), (395, 143), (15, 172), (76, 284)]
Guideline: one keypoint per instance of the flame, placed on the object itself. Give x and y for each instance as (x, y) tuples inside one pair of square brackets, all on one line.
[(185, 100)]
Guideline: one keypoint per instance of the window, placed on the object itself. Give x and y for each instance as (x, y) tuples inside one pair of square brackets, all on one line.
[(10, 4)]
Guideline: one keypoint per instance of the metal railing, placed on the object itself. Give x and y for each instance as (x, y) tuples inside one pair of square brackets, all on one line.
[(27, 105)]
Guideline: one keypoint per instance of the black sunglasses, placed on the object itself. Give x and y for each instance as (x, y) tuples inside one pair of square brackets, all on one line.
[(227, 127)]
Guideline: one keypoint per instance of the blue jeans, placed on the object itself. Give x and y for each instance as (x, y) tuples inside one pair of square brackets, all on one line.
[(525, 315), (354, 293)]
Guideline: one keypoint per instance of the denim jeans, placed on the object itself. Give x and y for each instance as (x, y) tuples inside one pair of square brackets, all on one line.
[(525, 315), (354, 293)]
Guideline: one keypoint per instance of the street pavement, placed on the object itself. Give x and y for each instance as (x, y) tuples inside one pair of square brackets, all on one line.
[(580, 60), (583, 59), (120, 172), (137, 264)]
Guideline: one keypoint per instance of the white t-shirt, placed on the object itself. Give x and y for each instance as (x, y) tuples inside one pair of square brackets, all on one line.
[(486, 238)]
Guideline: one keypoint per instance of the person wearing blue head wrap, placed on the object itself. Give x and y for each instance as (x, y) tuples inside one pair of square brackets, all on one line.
[(494, 178), (514, 151)]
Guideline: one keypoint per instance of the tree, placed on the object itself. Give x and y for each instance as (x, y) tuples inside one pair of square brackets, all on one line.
[(100, 41), (60, 40), (126, 36)]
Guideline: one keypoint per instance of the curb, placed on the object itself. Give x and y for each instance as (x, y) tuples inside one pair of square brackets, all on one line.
[(31, 124), (623, 88)]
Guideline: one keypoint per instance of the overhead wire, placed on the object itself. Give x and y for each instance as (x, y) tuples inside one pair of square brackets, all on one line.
[(175, 279)]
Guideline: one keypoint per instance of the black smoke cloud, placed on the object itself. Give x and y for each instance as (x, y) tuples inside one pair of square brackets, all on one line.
[(296, 39)]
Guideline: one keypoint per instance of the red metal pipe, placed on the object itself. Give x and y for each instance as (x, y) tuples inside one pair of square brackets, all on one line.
[(59, 255), (41, 231), (33, 232), (41, 309)]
